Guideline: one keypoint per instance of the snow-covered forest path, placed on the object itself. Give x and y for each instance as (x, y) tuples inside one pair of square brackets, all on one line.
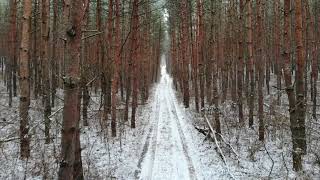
[(166, 152)]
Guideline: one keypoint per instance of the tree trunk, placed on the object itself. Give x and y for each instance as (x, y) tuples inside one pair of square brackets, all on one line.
[(260, 58), (184, 51), (108, 61), (314, 66), (134, 60), (24, 81), (278, 66), (73, 14), (77, 165), (299, 127), (200, 55), (11, 76), (85, 67), (45, 59), (35, 49), (106, 65), (250, 63), (215, 83), (54, 58), (116, 67), (296, 104), (240, 64)]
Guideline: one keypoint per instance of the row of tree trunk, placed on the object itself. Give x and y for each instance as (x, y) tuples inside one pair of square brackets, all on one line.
[(119, 58), (233, 48)]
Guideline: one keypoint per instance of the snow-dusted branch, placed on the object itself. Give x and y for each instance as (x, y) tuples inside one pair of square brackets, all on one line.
[(217, 144)]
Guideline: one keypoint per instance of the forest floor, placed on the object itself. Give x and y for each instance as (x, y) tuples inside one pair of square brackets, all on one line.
[(168, 152), (167, 145), (164, 145)]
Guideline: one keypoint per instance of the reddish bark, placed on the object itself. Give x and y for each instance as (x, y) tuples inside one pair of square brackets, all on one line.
[(45, 59), (260, 68), (200, 51), (278, 66), (296, 103), (299, 126), (86, 66), (24, 80), (184, 51), (116, 66), (134, 60), (70, 150)]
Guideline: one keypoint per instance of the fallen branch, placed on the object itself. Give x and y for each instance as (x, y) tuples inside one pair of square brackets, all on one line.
[(234, 151), (8, 140), (202, 131), (217, 144), (205, 132), (55, 112), (91, 81)]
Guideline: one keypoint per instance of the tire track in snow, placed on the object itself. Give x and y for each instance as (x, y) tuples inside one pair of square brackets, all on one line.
[(173, 110), (150, 135), (164, 156), (165, 153)]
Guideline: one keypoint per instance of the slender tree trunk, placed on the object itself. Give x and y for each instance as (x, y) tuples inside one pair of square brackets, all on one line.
[(200, 49), (194, 57), (174, 64), (108, 61), (14, 48), (288, 78), (148, 47), (306, 44), (54, 58), (123, 55), (24, 81), (77, 165), (296, 104), (116, 67), (314, 66), (250, 63), (84, 71), (128, 92), (240, 63), (216, 100), (210, 57), (35, 49), (195, 76), (70, 140), (300, 89), (45, 59), (260, 58), (184, 51), (11, 76), (278, 67), (215, 82), (134, 60)]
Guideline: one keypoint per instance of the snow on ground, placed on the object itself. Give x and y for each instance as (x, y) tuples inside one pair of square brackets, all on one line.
[(256, 160), (168, 155), (165, 144)]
